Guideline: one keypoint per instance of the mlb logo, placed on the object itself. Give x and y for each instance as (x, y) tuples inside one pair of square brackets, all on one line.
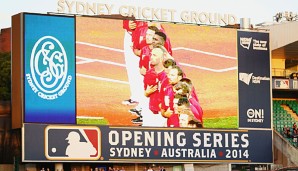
[(282, 84), (72, 143)]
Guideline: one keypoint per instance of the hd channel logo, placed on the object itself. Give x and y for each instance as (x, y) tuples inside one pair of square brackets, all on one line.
[(48, 76), (72, 143)]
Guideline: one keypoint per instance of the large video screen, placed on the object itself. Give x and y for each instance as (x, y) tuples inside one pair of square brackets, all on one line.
[(110, 77), (138, 91)]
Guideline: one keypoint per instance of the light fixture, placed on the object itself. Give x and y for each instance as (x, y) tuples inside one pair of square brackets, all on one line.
[(285, 16)]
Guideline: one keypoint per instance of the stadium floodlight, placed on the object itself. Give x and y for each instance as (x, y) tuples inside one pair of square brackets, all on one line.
[(278, 17), (288, 16), (292, 16), (285, 16)]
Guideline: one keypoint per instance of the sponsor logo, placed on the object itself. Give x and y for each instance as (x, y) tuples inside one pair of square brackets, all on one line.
[(245, 42), (48, 69), (282, 83), (244, 77), (72, 143), (259, 44), (255, 115), (248, 77)]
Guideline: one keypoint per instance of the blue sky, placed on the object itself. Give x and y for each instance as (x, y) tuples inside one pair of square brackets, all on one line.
[(257, 10)]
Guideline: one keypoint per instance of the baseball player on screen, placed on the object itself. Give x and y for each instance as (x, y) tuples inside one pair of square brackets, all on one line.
[(152, 81), (132, 61), (137, 46)]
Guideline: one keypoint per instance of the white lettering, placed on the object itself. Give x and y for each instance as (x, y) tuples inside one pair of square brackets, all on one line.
[(137, 140), (31, 84), (217, 140), (207, 142), (130, 152), (188, 153), (66, 85), (113, 138), (181, 141), (69, 5), (197, 140), (234, 140), (82, 7), (171, 139), (47, 97), (127, 135), (244, 138), (123, 11), (61, 6), (207, 18)]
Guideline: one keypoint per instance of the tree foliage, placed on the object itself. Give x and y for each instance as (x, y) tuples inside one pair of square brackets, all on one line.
[(5, 76)]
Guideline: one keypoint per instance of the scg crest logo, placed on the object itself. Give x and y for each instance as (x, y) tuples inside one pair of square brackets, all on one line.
[(245, 42), (48, 69)]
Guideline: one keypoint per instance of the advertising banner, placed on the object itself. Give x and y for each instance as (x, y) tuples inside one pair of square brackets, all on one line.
[(143, 144), (281, 83), (49, 69), (254, 80), (284, 84)]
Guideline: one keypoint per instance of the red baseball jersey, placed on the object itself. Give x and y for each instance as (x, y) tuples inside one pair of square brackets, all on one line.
[(194, 94), (173, 121), (168, 97), (168, 102), (163, 87), (145, 57), (196, 109), (153, 78), (139, 37)]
